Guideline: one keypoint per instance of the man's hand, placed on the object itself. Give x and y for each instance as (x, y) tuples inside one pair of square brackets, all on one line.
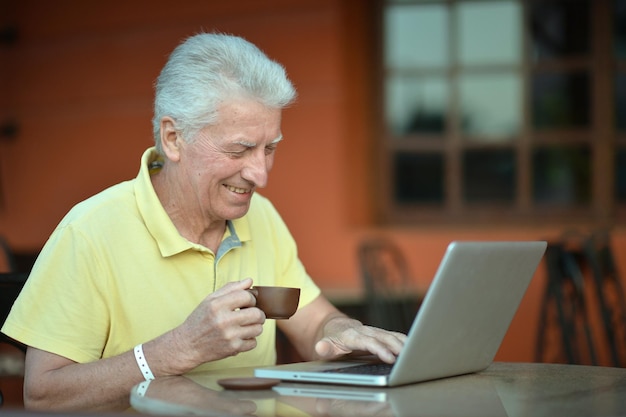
[(344, 336), (320, 331), (222, 325)]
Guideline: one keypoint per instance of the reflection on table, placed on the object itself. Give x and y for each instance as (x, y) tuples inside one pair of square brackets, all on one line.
[(504, 389)]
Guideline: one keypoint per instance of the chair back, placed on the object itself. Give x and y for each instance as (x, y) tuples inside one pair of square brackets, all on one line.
[(7, 257), (11, 284), (386, 280)]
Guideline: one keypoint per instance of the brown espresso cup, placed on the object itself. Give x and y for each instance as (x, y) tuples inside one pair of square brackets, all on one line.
[(276, 302)]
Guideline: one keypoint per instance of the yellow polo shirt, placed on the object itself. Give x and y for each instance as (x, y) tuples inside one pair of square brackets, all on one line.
[(116, 272)]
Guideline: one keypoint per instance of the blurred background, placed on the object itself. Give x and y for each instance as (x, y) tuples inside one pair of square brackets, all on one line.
[(417, 122)]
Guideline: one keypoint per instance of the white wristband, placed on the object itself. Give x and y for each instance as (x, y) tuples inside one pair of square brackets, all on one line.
[(141, 362), (142, 388)]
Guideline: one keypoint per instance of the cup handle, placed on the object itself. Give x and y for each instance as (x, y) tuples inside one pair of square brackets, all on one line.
[(254, 292)]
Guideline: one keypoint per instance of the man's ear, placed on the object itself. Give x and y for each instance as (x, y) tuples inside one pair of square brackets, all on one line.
[(170, 140)]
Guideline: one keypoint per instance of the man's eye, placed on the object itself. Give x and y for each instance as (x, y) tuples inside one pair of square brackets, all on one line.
[(270, 150), (237, 154)]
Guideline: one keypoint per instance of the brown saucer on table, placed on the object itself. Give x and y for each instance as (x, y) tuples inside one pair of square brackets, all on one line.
[(248, 383)]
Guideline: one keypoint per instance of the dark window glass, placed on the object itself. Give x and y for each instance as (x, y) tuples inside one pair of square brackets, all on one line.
[(560, 100), (619, 25), (620, 175), (562, 175), (419, 178), (559, 29), (489, 176), (620, 101)]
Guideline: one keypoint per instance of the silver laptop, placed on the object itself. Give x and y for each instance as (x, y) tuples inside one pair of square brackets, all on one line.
[(459, 327)]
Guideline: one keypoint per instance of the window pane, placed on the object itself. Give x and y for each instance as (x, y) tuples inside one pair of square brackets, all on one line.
[(489, 32), (620, 175), (416, 36), (562, 175), (620, 101), (560, 100), (619, 25), (490, 105), (419, 178), (489, 176), (559, 29), (416, 105)]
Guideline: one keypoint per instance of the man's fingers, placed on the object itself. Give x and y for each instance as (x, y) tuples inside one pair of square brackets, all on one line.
[(233, 296), (234, 286), (384, 344), (324, 349)]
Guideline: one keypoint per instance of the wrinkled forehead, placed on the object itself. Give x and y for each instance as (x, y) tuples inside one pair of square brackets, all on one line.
[(247, 122)]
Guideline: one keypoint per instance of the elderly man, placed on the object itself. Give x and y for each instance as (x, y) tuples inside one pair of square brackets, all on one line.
[(149, 277)]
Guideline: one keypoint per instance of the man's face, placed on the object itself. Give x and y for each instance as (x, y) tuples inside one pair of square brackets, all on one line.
[(224, 163)]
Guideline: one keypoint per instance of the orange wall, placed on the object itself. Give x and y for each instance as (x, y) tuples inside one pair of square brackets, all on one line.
[(79, 82)]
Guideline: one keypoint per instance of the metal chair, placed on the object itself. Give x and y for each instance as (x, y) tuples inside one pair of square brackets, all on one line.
[(564, 308), (386, 279), (7, 257), (582, 272), (610, 294), (12, 352), (11, 284)]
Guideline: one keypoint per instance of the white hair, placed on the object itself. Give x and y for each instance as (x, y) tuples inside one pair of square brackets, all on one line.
[(208, 69)]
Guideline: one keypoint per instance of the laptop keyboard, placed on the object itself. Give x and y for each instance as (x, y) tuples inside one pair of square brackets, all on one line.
[(364, 369)]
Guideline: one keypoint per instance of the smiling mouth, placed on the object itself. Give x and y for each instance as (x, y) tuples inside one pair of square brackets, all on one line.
[(238, 190)]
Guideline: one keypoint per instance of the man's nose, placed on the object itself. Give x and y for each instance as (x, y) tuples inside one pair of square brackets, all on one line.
[(256, 170)]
